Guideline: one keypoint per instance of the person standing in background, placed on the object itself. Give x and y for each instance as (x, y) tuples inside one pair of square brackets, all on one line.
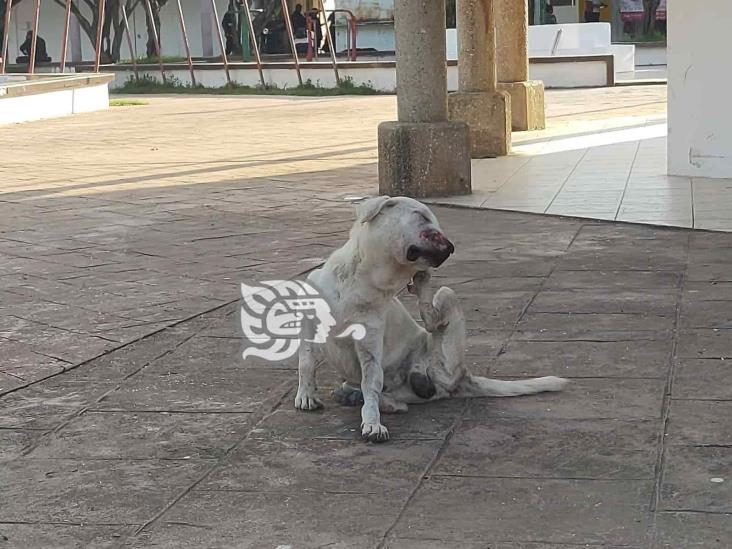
[(592, 11)]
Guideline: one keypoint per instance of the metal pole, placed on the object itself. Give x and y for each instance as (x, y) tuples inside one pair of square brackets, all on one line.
[(329, 41), (221, 40), (253, 40), (6, 35), (36, 15), (354, 31), (100, 26), (288, 26), (185, 41), (129, 42), (65, 38), (309, 29), (155, 38)]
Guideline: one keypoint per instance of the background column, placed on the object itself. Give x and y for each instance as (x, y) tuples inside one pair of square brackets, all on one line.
[(477, 102), (527, 96), (422, 154)]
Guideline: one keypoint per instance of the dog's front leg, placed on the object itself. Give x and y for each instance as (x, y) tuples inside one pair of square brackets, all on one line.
[(307, 391), (369, 352)]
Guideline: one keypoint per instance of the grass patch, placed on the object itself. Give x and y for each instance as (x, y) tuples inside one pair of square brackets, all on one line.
[(126, 102), (153, 60), (148, 85)]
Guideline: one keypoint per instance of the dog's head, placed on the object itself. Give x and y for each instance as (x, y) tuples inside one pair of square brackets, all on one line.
[(405, 230)]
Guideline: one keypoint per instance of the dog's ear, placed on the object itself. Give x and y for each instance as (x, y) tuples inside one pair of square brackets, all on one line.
[(372, 207)]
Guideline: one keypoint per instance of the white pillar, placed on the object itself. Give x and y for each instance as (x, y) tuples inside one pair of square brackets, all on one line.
[(699, 81)]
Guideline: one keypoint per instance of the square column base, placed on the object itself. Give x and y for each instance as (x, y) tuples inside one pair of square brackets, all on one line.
[(527, 104), (423, 159), (488, 114)]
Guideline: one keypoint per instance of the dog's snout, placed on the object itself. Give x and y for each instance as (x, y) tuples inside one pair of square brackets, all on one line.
[(436, 250)]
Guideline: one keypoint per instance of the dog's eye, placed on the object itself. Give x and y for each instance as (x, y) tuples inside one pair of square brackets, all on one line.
[(424, 217)]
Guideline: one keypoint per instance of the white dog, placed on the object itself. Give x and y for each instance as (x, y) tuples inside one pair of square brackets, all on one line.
[(393, 243)]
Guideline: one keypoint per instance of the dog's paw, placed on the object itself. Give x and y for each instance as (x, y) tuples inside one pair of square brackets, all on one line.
[(374, 432), (307, 401), (420, 280)]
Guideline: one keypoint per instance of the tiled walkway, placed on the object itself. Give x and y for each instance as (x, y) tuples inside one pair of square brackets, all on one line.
[(128, 420), (608, 166)]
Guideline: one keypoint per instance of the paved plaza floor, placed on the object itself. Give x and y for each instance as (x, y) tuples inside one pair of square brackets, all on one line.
[(127, 418), (602, 156)]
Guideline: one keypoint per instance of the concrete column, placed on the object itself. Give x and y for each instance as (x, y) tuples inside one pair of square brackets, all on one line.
[(527, 96), (422, 154), (477, 101), (699, 117)]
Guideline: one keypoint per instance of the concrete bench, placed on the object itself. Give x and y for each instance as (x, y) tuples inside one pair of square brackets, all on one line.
[(574, 39)]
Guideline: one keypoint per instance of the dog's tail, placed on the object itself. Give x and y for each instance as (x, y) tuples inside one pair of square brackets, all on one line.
[(477, 386)]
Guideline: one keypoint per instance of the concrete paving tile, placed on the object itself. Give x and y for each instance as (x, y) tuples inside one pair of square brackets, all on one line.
[(583, 359), (561, 511), (703, 379), (496, 314), (496, 268), (626, 259), (431, 420), (48, 403), (233, 390), (245, 520), (704, 343), (582, 399), (59, 536), (660, 302), (709, 272), (595, 449), (707, 291), (595, 326), (619, 280), (406, 543), (92, 491), (706, 314), (326, 465), (13, 441), (692, 531), (154, 435), (699, 423), (687, 479)]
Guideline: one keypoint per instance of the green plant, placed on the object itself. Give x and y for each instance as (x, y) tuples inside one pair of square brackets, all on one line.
[(147, 84), (126, 102)]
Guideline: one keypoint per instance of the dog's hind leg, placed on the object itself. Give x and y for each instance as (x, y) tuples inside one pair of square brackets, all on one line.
[(449, 373), (443, 318), (350, 395)]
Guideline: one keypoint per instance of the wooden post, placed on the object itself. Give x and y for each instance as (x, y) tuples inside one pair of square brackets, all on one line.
[(185, 42), (100, 27)]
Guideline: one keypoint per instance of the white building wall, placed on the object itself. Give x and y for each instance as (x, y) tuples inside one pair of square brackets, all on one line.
[(699, 113)]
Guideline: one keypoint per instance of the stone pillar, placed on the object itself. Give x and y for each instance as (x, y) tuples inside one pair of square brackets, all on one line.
[(527, 96), (477, 101), (422, 154)]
